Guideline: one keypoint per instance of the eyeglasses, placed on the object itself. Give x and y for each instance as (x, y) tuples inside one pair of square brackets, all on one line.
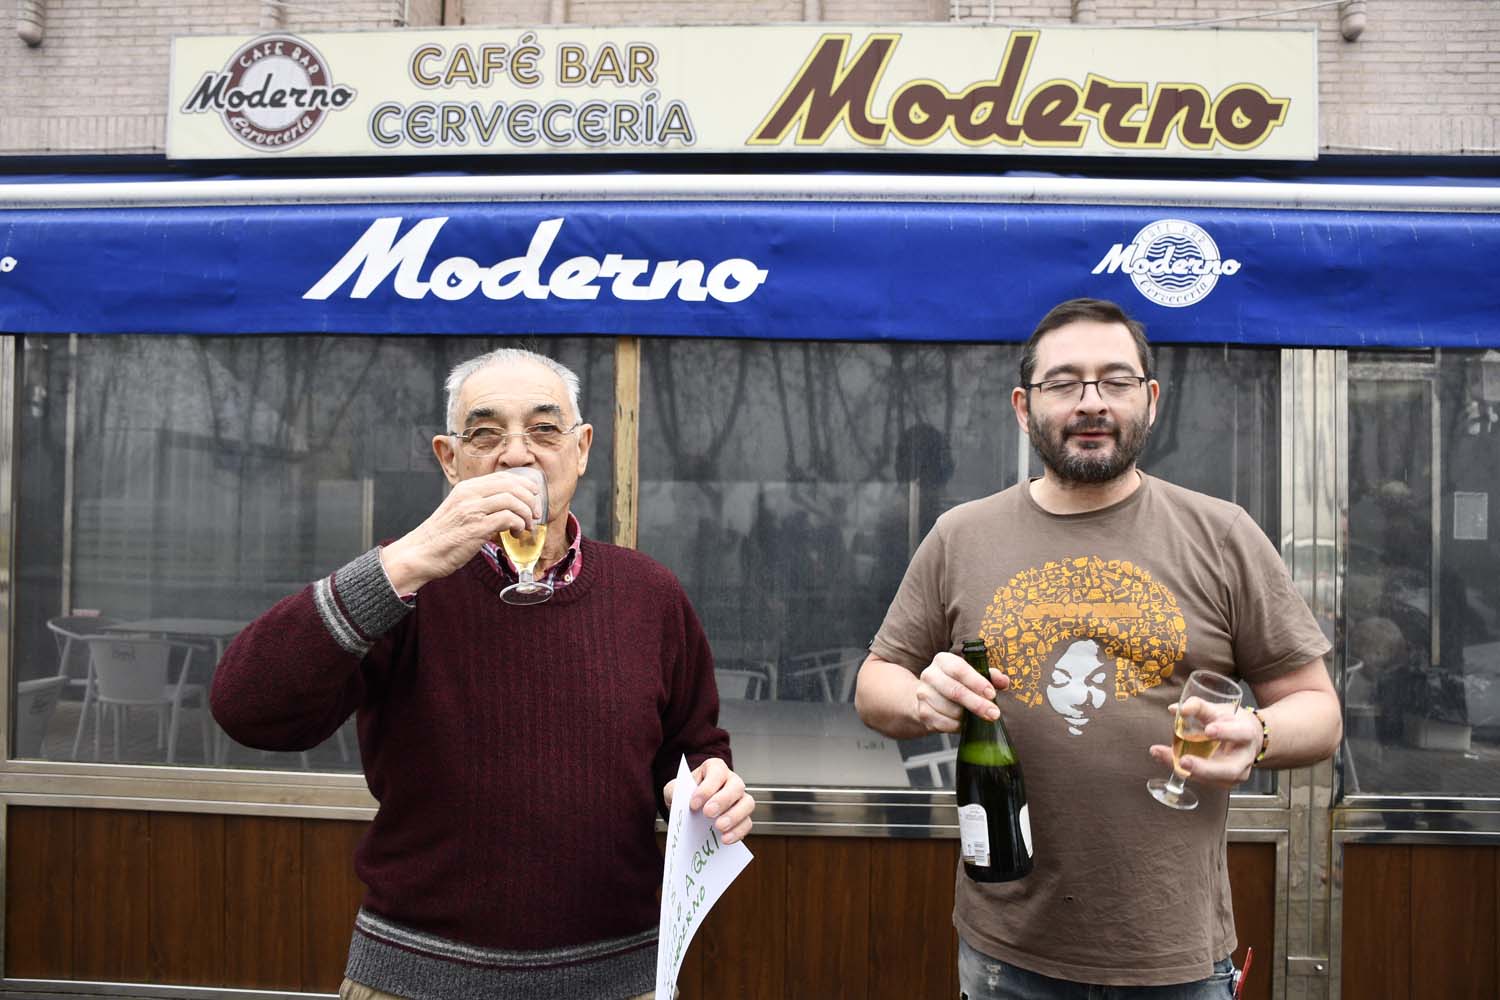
[(477, 442), (1072, 389)]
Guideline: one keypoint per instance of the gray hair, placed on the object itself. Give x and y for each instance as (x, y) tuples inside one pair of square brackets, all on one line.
[(505, 356)]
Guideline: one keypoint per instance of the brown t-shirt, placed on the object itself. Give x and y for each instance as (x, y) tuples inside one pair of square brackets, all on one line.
[(1099, 618)]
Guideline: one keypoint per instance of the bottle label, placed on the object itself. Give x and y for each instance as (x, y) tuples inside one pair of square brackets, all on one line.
[(974, 834), (1025, 818)]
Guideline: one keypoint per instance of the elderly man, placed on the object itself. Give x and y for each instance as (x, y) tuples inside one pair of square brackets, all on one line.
[(519, 754), (1127, 898)]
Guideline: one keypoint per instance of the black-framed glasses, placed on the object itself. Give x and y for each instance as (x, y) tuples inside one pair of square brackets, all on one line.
[(1072, 389), (483, 440)]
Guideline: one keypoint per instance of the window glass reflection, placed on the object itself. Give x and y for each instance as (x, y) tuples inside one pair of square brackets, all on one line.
[(787, 484), (175, 487), (1422, 597)]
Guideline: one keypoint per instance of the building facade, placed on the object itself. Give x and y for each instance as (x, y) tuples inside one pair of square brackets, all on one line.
[(162, 472), (1407, 79)]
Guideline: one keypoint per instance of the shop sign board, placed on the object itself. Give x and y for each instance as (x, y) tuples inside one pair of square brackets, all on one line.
[(735, 89)]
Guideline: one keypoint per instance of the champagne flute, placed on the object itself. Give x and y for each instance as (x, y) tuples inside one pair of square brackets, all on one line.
[(1220, 698), (525, 548)]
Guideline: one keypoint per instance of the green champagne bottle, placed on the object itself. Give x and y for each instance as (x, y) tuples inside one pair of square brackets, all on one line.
[(993, 822)]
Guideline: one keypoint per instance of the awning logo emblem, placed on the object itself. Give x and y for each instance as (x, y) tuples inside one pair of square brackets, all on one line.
[(1172, 262), (272, 94)]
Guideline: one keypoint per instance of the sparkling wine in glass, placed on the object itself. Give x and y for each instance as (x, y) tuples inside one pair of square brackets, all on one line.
[(525, 548), (1219, 698)]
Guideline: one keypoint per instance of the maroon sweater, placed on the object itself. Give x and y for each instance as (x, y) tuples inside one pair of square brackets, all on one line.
[(517, 753)]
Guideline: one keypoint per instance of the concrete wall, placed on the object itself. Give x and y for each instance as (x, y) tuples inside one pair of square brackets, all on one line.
[(1423, 79)]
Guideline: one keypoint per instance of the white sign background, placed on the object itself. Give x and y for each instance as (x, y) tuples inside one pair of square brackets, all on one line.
[(710, 89)]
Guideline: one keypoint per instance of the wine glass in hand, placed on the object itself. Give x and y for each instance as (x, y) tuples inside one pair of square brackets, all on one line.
[(525, 548), (1207, 697)]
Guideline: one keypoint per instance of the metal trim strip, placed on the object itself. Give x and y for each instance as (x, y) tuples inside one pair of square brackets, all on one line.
[(779, 811), (1420, 803), (48, 989), (754, 187)]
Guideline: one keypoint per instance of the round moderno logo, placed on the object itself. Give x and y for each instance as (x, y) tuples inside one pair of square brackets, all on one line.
[(272, 94), (1176, 263)]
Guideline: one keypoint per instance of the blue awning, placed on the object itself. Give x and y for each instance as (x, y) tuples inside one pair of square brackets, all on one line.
[(804, 264)]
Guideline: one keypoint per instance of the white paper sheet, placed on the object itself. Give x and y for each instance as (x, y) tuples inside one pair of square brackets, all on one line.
[(698, 866)]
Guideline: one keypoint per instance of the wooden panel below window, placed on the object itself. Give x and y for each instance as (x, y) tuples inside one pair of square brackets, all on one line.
[(1420, 921), (39, 893), (1252, 883), (828, 924), (234, 901), (1453, 922), (742, 944), (330, 897), (263, 902), (1376, 950), (913, 946), (111, 895), (186, 926)]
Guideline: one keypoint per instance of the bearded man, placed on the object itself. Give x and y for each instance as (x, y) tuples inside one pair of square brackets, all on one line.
[(1126, 898)]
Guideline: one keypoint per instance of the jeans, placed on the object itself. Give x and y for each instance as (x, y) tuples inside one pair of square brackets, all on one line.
[(983, 978)]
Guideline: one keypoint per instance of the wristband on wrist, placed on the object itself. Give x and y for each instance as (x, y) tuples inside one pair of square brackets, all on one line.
[(1265, 735)]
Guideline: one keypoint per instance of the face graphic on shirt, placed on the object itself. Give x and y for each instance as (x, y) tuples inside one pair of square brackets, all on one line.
[(1077, 684), (1073, 631)]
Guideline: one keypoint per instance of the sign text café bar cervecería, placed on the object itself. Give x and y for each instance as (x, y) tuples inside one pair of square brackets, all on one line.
[(944, 88)]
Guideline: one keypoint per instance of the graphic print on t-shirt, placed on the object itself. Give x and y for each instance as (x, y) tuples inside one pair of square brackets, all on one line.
[(1071, 631)]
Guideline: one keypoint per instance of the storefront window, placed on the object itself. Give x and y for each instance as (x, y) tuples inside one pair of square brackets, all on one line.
[(1422, 598), (787, 484), (176, 487)]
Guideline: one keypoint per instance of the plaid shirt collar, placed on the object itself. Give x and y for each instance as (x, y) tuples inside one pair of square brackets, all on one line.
[(560, 573)]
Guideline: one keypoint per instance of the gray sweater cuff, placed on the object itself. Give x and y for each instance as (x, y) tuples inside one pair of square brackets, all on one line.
[(358, 604)]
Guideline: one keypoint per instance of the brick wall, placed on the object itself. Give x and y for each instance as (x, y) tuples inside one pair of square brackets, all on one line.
[(1423, 79), (98, 81), (497, 12), (422, 13), (886, 11), (708, 11), (677, 12)]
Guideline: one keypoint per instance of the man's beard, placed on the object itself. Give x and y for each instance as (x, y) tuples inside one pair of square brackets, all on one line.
[(1095, 465)]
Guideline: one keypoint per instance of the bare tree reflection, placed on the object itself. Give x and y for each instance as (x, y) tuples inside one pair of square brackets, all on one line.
[(778, 478)]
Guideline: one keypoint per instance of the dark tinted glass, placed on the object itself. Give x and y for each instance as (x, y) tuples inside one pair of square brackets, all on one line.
[(200, 479), (1422, 594), (788, 484)]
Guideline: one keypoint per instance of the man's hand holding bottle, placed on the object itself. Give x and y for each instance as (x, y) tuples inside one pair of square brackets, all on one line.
[(947, 686)]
